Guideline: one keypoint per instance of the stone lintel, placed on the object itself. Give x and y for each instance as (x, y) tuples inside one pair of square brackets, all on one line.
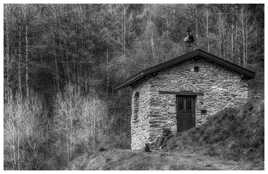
[(181, 92)]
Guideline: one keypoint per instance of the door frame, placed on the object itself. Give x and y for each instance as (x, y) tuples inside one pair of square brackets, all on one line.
[(194, 110)]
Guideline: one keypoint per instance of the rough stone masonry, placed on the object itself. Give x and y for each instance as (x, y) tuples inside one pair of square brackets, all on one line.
[(152, 110)]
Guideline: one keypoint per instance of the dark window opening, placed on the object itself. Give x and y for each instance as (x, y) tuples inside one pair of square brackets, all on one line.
[(136, 105), (204, 111), (196, 69)]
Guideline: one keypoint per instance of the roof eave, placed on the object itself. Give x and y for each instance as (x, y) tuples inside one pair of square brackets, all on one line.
[(246, 73)]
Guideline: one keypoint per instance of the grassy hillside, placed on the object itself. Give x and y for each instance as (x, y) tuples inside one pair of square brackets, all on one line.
[(119, 159), (231, 139), (236, 134), (231, 134)]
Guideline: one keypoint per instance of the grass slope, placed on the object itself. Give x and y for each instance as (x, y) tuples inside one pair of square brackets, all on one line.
[(126, 160), (230, 134), (231, 139)]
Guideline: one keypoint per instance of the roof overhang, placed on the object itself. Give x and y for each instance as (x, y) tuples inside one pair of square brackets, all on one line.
[(196, 54)]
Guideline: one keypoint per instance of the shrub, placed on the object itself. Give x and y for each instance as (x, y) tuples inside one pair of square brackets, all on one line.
[(79, 122), (23, 131)]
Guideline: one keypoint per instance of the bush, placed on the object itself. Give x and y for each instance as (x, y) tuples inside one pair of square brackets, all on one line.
[(38, 136), (79, 122), (23, 132)]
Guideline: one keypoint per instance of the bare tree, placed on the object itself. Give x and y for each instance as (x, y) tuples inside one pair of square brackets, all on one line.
[(25, 8), (244, 36), (124, 30), (207, 25), (7, 46), (232, 42), (107, 73)]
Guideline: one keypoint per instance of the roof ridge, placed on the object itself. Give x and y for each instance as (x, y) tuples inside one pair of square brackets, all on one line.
[(184, 57)]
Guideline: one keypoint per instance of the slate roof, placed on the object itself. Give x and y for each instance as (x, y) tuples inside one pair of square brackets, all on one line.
[(193, 55)]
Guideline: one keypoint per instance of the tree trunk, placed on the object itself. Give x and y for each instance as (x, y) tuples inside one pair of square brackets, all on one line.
[(257, 36), (232, 43), (243, 38), (167, 23), (220, 33), (18, 148), (207, 17), (14, 144), (55, 57), (196, 26), (235, 42), (246, 40), (19, 62), (67, 138), (7, 50), (26, 61), (56, 65), (124, 30), (107, 73), (152, 45), (94, 124), (71, 141)]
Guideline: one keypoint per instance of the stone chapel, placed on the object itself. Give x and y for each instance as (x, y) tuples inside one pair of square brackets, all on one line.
[(182, 93)]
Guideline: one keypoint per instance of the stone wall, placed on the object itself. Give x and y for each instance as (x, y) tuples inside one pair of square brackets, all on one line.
[(221, 88), (140, 124)]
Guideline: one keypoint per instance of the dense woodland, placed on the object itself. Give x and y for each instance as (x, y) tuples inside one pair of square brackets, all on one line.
[(62, 62)]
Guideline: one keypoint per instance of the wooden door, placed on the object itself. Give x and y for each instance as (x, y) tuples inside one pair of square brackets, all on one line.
[(185, 112)]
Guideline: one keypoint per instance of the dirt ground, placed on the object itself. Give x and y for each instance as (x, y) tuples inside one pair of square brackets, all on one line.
[(159, 160)]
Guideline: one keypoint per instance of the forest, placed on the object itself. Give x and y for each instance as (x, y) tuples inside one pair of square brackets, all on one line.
[(62, 62)]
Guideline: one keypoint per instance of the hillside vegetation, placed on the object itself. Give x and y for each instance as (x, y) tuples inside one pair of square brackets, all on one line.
[(62, 61), (119, 159), (231, 134), (231, 139)]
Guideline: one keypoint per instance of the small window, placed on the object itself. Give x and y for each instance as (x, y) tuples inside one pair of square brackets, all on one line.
[(196, 69), (203, 111), (136, 105)]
